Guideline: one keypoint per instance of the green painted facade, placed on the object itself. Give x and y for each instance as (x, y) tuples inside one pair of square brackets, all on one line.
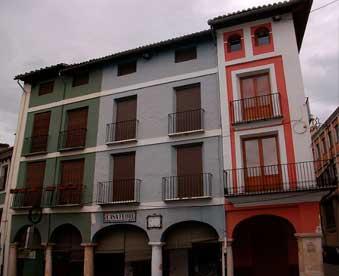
[(58, 123), (63, 89)]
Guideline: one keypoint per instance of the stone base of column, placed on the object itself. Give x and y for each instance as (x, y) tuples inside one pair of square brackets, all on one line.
[(310, 254)]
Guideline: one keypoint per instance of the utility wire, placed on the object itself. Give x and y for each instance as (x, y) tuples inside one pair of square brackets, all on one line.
[(324, 6)]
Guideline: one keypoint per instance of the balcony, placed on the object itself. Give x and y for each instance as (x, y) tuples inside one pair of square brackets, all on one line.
[(121, 131), (35, 144), (254, 109), (186, 122), (293, 177), (48, 197), (72, 139), (187, 187), (119, 191)]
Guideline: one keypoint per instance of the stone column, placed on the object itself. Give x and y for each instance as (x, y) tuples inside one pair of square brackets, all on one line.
[(13, 250), (156, 258), (88, 258), (310, 254), (48, 259), (229, 256)]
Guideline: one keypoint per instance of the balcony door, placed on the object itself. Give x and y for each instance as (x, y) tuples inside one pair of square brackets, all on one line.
[(123, 177), (71, 185), (189, 171), (126, 116), (76, 127), (188, 109), (261, 162), (39, 137), (256, 97), (35, 173)]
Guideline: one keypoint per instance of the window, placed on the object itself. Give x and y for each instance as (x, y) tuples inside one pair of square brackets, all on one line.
[(185, 54), (3, 177), (70, 187), (80, 78), (261, 160), (40, 131), (189, 174), (46, 88), (318, 151), (323, 141), (126, 118), (330, 139), (262, 36), (123, 177), (127, 68), (329, 214), (35, 173), (234, 43), (188, 116), (75, 136), (337, 132)]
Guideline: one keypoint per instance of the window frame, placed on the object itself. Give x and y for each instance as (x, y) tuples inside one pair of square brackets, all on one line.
[(261, 49), (121, 71), (231, 55), (45, 84), (187, 53), (80, 78)]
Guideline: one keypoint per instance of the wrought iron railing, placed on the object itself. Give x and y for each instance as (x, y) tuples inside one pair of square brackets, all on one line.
[(26, 197), (35, 144), (292, 177), (187, 186), (256, 108), (120, 131), (119, 191), (67, 195), (74, 138), (186, 121)]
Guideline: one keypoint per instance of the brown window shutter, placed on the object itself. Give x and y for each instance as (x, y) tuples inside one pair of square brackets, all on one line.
[(185, 54), (127, 68), (40, 131), (46, 88), (80, 78), (71, 186), (188, 108), (123, 176), (190, 170), (126, 115), (35, 173), (76, 127)]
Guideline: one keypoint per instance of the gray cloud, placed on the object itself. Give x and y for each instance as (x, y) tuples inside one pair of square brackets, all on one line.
[(38, 33)]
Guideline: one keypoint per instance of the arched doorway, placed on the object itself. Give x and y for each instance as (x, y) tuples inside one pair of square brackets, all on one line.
[(265, 246), (122, 250), (67, 251), (30, 258), (191, 249)]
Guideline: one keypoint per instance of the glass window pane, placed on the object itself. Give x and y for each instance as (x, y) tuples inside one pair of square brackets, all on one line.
[(270, 154)]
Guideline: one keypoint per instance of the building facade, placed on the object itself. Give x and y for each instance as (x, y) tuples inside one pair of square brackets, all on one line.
[(325, 141), (124, 162)]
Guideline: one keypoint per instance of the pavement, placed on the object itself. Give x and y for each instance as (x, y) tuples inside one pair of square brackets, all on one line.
[(331, 270)]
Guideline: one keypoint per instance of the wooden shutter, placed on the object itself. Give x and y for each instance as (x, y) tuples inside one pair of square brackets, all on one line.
[(123, 177), (72, 174), (185, 54), (188, 108), (76, 127), (40, 131), (35, 173), (126, 116), (127, 68), (46, 88), (80, 78), (189, 171)]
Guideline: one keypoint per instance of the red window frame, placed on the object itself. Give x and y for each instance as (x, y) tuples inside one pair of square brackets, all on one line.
[(261, 49), (236, 54)]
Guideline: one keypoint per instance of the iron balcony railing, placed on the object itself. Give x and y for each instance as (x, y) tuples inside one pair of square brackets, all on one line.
[(120, 131), (35, 144), (292, 177), (187, 186), (48, 197), (74, 138), (256, 108), (119, 191), (186, 121)]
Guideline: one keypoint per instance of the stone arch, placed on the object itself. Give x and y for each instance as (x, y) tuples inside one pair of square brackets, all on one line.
[(20, 237)]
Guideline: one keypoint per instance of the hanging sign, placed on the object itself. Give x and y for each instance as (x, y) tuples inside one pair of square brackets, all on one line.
[(114, 217)]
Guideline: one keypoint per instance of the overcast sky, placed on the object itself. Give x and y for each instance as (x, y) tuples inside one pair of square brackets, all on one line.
[(38, 33)]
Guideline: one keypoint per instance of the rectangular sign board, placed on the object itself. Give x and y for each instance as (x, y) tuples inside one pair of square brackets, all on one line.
[(113, 217)]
